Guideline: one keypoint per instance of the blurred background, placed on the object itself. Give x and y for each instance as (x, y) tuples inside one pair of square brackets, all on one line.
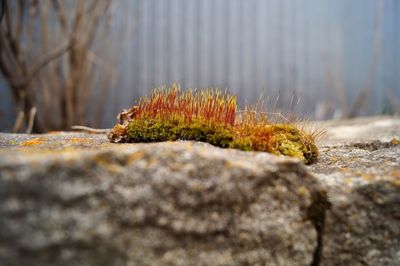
[(69, 62)]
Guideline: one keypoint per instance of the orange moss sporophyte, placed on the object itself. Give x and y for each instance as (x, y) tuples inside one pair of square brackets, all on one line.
[(188, 106), (211, 116)]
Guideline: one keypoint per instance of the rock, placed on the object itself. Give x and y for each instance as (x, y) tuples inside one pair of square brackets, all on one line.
[(75, 199), (364, 129), (360, 169)]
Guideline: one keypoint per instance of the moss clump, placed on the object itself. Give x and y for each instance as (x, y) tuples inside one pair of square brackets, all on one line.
[(154, 130), (216, 134), (279, 139), (290, 141), (242, 143), (210, 116)]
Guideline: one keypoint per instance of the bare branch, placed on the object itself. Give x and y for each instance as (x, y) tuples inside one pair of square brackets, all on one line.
[(2, 9), (31, 120), (20, 21), (47, 58), (95, 21), (51, 70), (9, 64), (19, 121), (62, 18), (358, 103)]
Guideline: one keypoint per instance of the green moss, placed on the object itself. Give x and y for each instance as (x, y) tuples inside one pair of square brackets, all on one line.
[(292, 149), (242, 143), (155, 130), (290, 141), (152, 130), (209, 116), (280, 139), (213, 133)]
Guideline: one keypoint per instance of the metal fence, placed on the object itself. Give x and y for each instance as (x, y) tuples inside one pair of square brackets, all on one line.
[(330, 53), (334, 55)]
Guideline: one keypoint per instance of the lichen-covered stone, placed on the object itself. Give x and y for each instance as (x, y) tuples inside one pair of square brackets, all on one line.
[(360, 169), (77, 199), (170, 203), (363, 223)]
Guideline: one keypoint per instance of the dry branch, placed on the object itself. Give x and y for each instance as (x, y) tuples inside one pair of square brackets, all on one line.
[(48, 69)]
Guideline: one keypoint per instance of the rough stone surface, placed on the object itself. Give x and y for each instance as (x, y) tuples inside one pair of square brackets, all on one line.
[(76, 199), (360, 169)]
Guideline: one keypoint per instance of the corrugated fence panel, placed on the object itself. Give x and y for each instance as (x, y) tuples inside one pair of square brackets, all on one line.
[(326, 52)]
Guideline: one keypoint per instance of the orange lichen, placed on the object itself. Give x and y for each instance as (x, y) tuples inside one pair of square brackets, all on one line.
[(80, 141), (135, 156), (33, 142)]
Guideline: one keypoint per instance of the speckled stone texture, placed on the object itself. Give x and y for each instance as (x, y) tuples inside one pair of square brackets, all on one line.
[(360, 169), (73, 199), (76, 199)]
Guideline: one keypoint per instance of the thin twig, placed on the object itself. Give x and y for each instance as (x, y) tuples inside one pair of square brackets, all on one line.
[(2, 9), (19, 121), (91, 130), (31, 121)]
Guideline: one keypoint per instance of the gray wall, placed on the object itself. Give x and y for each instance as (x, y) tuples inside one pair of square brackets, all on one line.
[(319, 49), (326, 52)]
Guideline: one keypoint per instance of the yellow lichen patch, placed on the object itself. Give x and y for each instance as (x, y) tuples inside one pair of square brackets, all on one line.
[(395, 141), (135, 156), (396, 174), (151, 162), (303, 191), (13, 142), (55, 132), (396, 181), (334, 159), (367, 177), (228, 164), (80, 141), (348, 181), (33, 142), (109, 165)]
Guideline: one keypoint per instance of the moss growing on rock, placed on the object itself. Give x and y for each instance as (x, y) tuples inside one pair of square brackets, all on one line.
[(290, 141), (209, 116), (279, 139), (155, 130)]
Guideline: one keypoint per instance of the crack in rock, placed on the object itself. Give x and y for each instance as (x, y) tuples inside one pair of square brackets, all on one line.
[(316, 213)]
